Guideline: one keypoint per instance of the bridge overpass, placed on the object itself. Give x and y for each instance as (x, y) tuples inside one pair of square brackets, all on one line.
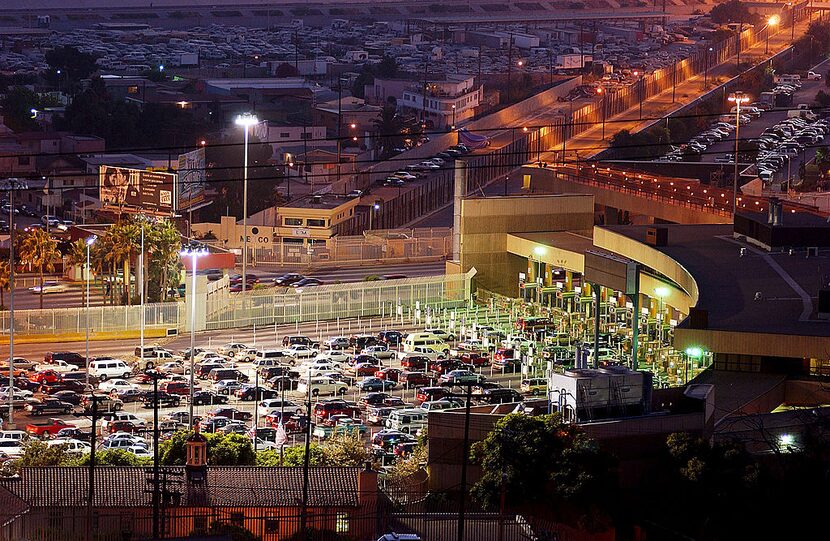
[(665, 198)]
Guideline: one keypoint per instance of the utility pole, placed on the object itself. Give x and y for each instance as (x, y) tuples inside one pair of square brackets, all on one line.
[(509, 65), (304, 511), (296, 51), (466, 450), (90, 495)]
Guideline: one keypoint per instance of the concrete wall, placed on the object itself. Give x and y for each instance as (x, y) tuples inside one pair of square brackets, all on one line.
[(485, 223), (548, 180), (498, 120)]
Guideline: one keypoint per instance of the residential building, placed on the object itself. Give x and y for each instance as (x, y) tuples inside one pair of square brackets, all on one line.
[(352, 111), (448, 101)]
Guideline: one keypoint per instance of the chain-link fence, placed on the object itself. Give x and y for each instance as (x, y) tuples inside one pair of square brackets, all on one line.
[(391, 246), (102, 319), (330, 302)]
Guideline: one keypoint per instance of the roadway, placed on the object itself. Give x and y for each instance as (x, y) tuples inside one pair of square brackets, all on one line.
[(74, 294), (591, 142)]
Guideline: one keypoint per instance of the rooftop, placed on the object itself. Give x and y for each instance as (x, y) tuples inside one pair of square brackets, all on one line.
[(729, 282), (319, 201), (226, 486)]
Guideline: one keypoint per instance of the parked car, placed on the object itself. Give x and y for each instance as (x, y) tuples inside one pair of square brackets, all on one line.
[(375, 384)]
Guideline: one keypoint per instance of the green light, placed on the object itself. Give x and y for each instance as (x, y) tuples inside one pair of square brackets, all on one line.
[(539, 250), (662, 292), (694, 352)]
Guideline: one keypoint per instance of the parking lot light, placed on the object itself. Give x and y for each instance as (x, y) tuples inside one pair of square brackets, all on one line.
[(194, 251)]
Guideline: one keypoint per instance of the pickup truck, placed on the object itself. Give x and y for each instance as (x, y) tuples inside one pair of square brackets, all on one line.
[(49, 405), (58, 366), (51, 427)]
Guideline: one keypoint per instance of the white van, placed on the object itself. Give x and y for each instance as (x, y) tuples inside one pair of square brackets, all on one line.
[(276, 404), (409, 420), (263, 356), (425, 341), (110, 368)]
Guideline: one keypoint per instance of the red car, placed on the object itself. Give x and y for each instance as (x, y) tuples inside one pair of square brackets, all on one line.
[(442, 366), (366, 369), (391, 374), (122, 426), (324, 410), (474, 358), (504, 353), (45, 376), (426, 394), (51, 427), (414, 362), (411, 380)]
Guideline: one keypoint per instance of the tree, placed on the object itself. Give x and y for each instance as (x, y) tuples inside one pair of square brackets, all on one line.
[(292, 456), (230, 450), (733, 11), (111, 457), (164, 242), (40, 251), (72, 63), (387, 67), (38, 454), (5, 281), (17, 108), (345, 450), (222, 449), (76, 256), (543, 459), (224, 172)]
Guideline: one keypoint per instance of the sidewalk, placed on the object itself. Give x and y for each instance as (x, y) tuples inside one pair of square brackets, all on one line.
[(590, 142)]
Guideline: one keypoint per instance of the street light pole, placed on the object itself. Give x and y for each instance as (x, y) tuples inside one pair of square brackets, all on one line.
[(246, 121), (706, 68), (194, 251), (738, 98), (13, 184), (89, 242)]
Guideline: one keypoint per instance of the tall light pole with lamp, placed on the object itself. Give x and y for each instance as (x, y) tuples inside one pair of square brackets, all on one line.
[(639, 77), (771, 22), (737, 98), (375, 207), (662, 292), (194, 252), (601, 94), (539, 252), (89, 242), (11, 185), (246, 121), (453, 117), (706, 68)]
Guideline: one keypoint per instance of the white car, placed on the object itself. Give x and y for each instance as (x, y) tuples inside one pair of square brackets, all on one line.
[(270, 405), (57, 365), (263, 445), (49, 286), (380, 351), (320, 385), (122, 416), (334, 356), (209, 356), (11, 448), (116, 385), (125, 436), (19, 394), (72, 446), (139, 451), (232, 349), (300, 351), (442, 334)]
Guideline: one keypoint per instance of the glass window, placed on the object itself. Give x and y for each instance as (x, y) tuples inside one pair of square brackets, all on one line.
[(316, 223), (237, 519), (292, 221), (342, 523), (272, 525), (290, 240), (284, 135)]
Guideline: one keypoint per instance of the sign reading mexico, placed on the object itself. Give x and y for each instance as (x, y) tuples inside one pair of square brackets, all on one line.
[(136, 190)]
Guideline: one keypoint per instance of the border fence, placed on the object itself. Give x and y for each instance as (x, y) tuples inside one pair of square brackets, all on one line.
[(272, 306)]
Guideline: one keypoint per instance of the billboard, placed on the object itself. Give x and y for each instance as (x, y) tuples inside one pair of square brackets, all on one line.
[(136, 190), (191, 178)]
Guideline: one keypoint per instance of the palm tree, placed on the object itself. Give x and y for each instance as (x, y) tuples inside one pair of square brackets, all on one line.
[(39, 250), (165, 243), (120, 250), (5, 284), (76, 256)]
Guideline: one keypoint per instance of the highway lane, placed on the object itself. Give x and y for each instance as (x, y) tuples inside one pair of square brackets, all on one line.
[(74, 295), (591, 141)]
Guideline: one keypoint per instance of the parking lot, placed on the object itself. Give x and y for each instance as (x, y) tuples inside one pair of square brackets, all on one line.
[(363, 378)]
